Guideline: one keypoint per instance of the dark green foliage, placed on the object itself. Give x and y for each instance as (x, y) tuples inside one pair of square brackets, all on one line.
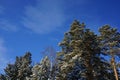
[(20, 69), (23, 66), (70, 51), (41, 71), (109, 40), (110, 45), (11, 71), (82, 58), (80, 55), (3, 77)]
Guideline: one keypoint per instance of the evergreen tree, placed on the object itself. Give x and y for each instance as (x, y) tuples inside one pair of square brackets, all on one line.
[(53, 72), (41, 71), (67, 57), (110, 44), (80, 55), (51, 54), (20, 69), (11, 72), (3, 77), (81, 58)]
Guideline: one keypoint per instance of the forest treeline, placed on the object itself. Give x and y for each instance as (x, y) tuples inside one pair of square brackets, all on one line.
[(84, 55)]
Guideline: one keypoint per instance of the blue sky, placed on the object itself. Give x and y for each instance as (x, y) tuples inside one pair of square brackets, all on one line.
[(33, 25)]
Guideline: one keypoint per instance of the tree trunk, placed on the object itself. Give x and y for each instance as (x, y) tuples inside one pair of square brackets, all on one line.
[(89, 73), (114, 67)]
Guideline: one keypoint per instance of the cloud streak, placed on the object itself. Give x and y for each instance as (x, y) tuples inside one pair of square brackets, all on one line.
[(44, 17), (3, 59), (1, 9), (7, 26)]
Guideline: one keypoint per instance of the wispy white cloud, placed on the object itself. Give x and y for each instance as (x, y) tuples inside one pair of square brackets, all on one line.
[(1, 9), (3, 58), (44, 17), (7, 25)]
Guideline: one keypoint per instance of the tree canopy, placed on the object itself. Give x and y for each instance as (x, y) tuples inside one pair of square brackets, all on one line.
[(82, 57)]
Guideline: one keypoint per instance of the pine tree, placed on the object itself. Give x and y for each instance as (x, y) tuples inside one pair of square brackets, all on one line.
[(53, 72), (3, 77), (110, 44), (20, 69), (51, 54), (11, 71), (41, 71), (80, 56), (67, 57)]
